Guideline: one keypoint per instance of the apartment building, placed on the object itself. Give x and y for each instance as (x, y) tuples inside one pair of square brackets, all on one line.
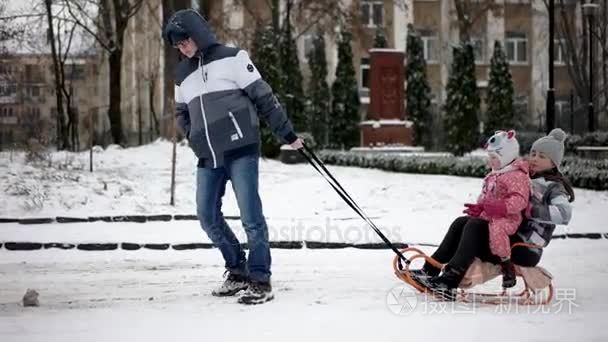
[(27, 96)]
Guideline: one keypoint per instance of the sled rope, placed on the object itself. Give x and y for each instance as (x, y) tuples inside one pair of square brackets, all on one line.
[(312, 158)]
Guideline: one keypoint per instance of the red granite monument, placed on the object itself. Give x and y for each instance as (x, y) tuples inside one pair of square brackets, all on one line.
[(386, 122)]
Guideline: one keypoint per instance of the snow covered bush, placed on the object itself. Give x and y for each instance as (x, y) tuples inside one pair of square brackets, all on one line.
[(526, 139), (588, 139), (583, 173)]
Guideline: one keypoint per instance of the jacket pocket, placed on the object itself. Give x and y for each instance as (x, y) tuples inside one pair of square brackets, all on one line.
[(237, 127)]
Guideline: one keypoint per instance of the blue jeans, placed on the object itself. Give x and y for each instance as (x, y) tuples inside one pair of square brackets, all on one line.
[(211, 185)]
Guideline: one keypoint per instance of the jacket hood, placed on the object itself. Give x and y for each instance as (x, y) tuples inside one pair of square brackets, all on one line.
[(521, 165), (190, 23)]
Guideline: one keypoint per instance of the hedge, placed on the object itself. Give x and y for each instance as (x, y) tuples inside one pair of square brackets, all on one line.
[(583, 173), (526, 139)]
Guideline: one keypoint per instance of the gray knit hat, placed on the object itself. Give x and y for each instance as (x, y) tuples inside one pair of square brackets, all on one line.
[(552, 146)]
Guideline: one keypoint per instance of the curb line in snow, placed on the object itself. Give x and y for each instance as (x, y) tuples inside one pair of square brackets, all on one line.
[(120, 219), (131, 246), (117, 218)]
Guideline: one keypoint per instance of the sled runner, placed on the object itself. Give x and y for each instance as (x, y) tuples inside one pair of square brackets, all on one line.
[(537, 290)]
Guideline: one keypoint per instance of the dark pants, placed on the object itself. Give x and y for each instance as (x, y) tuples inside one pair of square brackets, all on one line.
[(468, 237)]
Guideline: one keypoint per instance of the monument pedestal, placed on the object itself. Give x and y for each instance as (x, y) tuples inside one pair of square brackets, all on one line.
[(386, 132)]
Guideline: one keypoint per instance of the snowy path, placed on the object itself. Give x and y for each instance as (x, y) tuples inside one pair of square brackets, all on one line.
[(346, 294), (321, 294)]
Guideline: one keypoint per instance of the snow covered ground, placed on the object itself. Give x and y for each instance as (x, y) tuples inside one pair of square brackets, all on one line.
[(348, 294), (321, 295)]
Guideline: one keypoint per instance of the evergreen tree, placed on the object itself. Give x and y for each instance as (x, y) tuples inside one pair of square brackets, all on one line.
[(418, 91), (344, 122), (380, 41), (266, 58), (318, 92), (500, 114), (462, 104), (291, 75)]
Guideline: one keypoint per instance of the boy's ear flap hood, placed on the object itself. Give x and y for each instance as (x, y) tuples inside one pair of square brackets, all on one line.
[(190, 23)]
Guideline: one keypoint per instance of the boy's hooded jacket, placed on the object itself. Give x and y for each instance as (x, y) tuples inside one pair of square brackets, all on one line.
[(219, 95)]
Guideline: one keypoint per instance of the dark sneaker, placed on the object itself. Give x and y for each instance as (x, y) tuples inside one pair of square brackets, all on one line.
[(424, 274), (509, 279), (257, 293), (421, 277), (445, 285), (233, 284), (420, 273)]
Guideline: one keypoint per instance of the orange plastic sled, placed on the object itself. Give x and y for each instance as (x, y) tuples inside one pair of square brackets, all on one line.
[(538, 289)]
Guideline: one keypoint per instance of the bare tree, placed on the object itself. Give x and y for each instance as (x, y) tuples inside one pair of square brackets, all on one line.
[(468, 12), (10, 28), (171, 59), (107, 26), (574, 42), (61, 36), (322, 16), (62, 134)]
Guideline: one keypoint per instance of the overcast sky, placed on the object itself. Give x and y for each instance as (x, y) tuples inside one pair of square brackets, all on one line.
[(34, 39)]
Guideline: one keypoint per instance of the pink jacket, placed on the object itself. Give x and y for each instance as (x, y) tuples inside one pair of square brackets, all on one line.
[(511, 185)]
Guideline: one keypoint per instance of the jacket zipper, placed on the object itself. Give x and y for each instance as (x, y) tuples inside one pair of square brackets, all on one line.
[(236, 125), (203, 114)]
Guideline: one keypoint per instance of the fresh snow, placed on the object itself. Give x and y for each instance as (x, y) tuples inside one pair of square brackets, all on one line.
[(321, 295), (348, 294)]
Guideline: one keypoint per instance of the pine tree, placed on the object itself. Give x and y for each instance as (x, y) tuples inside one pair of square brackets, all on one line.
[(292, 76), (266, 59), (344, 123), (462, 104), (500, 114), (380, 41), (318, 92), (418, 91)]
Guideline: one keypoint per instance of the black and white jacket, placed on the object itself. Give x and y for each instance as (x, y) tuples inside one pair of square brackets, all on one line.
[(219, 95), (549, 206)]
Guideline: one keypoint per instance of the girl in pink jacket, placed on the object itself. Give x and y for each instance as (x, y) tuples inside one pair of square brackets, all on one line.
[(503, 199)]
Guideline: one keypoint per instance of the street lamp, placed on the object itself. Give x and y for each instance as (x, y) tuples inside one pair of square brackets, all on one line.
[(550, 110), (589, 10)]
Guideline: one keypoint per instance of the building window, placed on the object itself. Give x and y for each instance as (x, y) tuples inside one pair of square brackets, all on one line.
[(5, 68), (520, 106), (372, 13), (75, 72), (429, 46), (364, 71), (33, 91), (517, 48), (6, 112), (477, 44), (8, 90), (32, 72), (561, 106), (558, 51)]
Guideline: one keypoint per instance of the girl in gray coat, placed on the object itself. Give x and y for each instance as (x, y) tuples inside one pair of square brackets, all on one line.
[(552, 193)]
